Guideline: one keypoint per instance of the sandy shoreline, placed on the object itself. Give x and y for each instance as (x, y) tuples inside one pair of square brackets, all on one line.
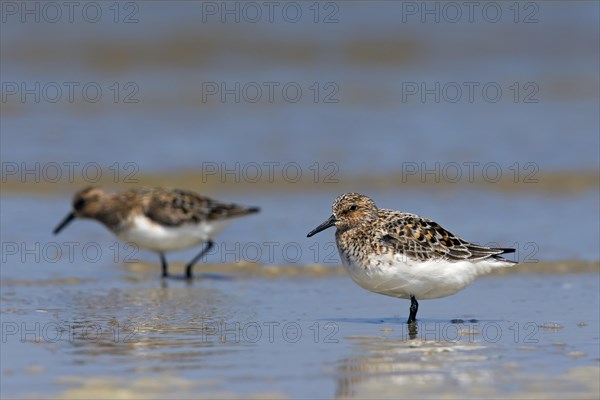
[(146, 271), (554, 183)]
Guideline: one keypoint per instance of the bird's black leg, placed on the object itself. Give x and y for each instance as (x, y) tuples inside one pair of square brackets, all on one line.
[(188, 268), (414, 307), (163, 261)]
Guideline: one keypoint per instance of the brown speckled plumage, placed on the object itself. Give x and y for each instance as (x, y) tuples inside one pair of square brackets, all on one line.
[(403, 255), (368, 229), (168, 207), (155, 218)]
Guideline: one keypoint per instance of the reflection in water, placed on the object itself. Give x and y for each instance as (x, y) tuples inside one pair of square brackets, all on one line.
[(134, 330), (453, 360), (410, 367), (413, 330), (166, 328)]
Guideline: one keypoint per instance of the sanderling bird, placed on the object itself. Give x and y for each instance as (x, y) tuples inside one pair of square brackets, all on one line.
[(403, 255), (157, 219)]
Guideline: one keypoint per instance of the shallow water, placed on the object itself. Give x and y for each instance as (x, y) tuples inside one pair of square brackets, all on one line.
[(85, 316), (534, 224), (222, 335), (169, 55)]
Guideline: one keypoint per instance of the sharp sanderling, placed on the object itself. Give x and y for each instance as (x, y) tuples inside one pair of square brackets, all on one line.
[(403, 255), (157, 219)]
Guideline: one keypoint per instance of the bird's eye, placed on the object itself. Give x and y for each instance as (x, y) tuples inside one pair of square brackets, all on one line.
[(79, 204), (353, 208)]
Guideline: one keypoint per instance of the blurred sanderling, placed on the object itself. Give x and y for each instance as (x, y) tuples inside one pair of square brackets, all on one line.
[(157, 219), (403, 255)]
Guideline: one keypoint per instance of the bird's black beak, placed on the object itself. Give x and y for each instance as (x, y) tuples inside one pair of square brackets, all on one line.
[(64, 223), (327, 224)]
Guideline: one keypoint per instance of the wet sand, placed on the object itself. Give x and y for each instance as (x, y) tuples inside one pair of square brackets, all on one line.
[(555, 183)]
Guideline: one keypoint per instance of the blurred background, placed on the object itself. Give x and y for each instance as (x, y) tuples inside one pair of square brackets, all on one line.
[(483, 116)]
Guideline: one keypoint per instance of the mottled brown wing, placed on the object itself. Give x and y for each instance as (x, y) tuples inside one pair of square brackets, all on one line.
[(422, 239), (178, 207)]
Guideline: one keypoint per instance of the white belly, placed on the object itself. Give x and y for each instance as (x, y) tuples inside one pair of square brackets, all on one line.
[(398, 276), (150, 235)]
